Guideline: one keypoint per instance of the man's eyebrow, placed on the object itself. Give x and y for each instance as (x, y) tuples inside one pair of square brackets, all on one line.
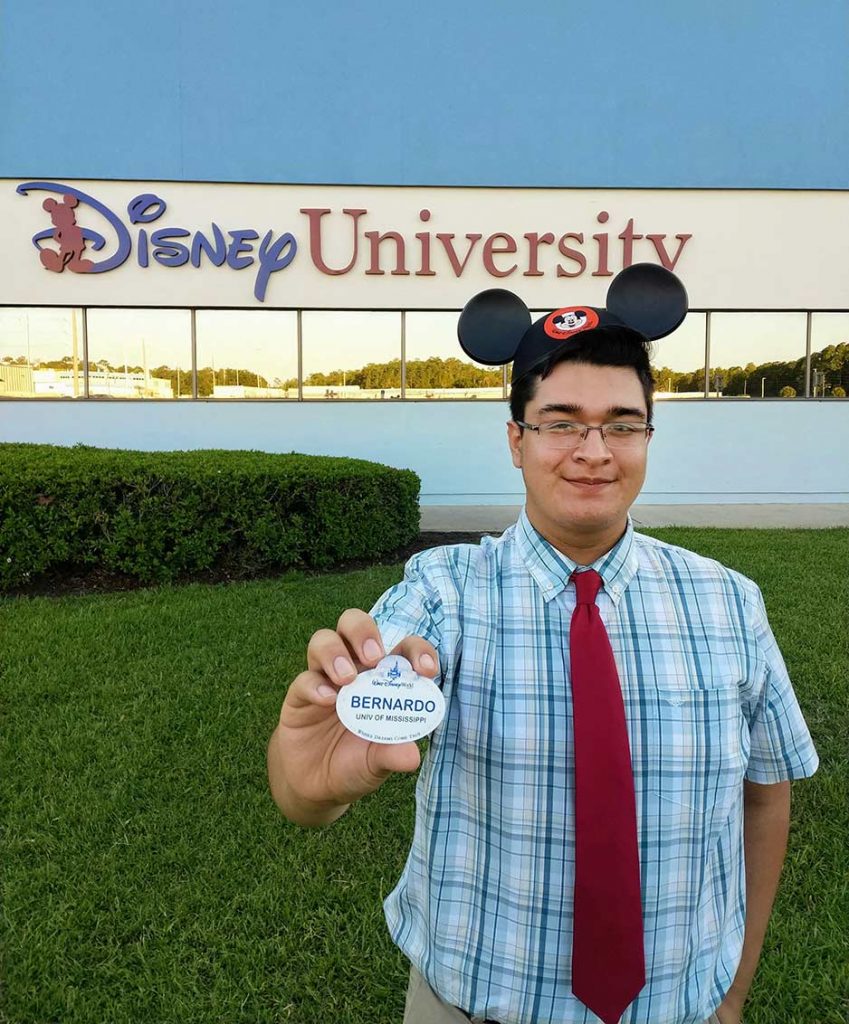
[(567, 410), (570, 409), (625, 410)]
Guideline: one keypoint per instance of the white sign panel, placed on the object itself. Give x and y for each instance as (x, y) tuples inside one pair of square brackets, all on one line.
[(355, 247)]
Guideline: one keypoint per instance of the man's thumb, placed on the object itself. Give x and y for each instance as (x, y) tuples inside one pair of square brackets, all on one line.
[(393, 757)]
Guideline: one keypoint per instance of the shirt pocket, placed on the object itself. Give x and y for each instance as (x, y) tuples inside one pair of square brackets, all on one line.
[(695, 750)]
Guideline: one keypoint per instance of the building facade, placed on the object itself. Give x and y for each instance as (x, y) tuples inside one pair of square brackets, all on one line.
[(229, 296)]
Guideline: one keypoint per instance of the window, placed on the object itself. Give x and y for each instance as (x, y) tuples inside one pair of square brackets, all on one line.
[(438, 368), (829, 355), (140, 353), (41, 353), (247, 354), (355, 355), (757, 355), (678, 360)]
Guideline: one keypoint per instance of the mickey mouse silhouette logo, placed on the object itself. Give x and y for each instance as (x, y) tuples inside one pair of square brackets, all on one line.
[(564, 322), (69, 236)]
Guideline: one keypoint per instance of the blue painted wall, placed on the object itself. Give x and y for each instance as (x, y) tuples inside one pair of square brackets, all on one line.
[(465, 460), (714, 93)]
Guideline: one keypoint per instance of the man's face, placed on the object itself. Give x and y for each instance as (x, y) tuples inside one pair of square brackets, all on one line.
[(590, 488)]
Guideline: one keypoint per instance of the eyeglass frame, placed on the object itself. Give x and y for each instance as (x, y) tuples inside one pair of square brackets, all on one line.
[(648, 430)]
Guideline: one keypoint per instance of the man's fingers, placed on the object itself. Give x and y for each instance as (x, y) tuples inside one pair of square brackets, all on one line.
[(311, 688), (360, 632), (340, 653), (420, 654), (328, 653)]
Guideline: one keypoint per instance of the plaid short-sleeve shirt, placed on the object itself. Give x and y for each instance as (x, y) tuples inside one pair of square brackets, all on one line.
[(483, 908)]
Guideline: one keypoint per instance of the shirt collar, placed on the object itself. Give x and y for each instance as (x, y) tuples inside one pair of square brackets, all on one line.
[(551, 569)]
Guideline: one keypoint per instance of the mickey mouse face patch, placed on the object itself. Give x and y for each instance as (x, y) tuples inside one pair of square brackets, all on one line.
[(563, 323)]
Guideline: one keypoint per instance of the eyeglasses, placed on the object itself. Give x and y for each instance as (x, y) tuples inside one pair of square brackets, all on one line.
[(565, 434)]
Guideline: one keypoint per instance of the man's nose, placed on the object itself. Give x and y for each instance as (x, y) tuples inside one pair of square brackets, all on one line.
[(593, 448)]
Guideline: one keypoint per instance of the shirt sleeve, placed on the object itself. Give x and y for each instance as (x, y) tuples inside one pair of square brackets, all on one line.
[(413, 607), (781, 745)]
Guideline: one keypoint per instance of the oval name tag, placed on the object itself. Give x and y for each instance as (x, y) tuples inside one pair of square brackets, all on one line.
[(391, 703)]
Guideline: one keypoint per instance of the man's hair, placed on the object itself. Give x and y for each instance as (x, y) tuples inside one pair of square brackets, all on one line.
[(603, 346)]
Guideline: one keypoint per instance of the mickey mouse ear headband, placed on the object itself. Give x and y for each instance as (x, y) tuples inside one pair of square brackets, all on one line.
[(495, 326)]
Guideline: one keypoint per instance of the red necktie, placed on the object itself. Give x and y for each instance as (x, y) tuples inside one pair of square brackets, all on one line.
[(608, 965)]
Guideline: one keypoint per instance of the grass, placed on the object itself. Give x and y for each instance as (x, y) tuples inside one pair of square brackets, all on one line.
[(147, 875)]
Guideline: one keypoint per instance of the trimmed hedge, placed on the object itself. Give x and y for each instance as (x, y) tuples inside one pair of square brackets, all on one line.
[(155, 515)]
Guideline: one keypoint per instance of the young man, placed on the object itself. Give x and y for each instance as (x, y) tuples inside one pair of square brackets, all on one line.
[(597, 836)]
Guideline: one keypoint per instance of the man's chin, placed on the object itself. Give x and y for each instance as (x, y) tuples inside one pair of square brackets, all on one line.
[(584, 517), (593, 511)]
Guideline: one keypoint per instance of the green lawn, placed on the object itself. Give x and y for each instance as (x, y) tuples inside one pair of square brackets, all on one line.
[(148, 877)]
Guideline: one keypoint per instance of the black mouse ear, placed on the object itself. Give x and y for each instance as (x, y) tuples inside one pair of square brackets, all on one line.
[(491, 326), (648, 298)]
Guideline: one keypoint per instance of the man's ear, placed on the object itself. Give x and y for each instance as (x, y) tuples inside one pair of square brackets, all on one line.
[(514, 439)]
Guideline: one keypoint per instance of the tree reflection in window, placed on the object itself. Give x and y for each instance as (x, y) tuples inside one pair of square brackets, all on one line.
[(41, 353), (251, 354), (139, 353), (438, 368), (829, 355), (351, 354), (757, 355)]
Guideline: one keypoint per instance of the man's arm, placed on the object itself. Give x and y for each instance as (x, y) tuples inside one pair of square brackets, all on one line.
[(766, 824)]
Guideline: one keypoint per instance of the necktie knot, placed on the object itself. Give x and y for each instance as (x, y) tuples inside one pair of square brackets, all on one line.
[(587, 586)]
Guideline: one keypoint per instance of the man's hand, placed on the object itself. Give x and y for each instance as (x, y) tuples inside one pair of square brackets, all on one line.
[(316, 767)]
